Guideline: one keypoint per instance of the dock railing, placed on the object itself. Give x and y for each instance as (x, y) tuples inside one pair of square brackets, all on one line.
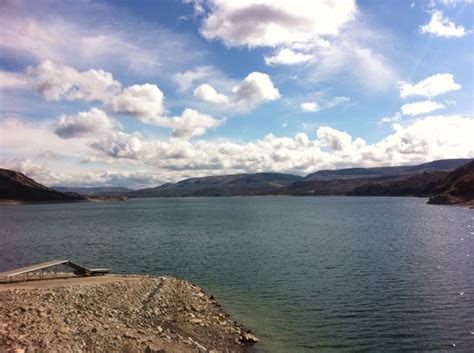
[(28, 272)]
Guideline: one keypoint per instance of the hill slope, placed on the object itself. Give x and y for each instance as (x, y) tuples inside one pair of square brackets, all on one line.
[(456, 187), (417, 184), (411, 180), (223, 185), (358, 173), (18, 187), (97, 191)]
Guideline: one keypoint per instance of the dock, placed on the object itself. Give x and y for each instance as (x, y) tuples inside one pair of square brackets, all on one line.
[(38, 271)]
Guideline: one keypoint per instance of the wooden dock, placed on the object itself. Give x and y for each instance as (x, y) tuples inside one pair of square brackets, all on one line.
[(28, 272)]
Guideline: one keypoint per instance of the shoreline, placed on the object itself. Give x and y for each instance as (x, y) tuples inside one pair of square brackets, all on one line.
[(116, 312), (7, 202)]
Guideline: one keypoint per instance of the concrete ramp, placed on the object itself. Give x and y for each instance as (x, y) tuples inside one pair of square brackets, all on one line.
[(50, 265)]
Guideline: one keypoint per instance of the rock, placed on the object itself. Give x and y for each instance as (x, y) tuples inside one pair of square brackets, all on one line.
[(248, 337), (133, 316), (154, 349)]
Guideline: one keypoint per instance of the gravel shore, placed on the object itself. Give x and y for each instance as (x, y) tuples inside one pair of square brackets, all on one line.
[(116, 314)]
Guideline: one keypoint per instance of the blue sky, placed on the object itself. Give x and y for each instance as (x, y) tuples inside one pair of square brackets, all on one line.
[(138, 93)]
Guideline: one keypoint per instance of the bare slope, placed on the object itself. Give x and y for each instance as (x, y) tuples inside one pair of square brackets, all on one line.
[(456, 187), (17, 186), (148, 314)]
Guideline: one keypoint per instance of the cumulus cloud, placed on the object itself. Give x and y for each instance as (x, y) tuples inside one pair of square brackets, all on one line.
[(319, 33), (422, 107), (418, 141), (118, 144), (441, 26), (186, 79), (287, 56), (271, 23), (337, 140), (207, 93), (28, 138), (422, 140), (61, 82), (146, 102), (83, 124), (429, 87), (309, 107), (254, 89), (191, 123)]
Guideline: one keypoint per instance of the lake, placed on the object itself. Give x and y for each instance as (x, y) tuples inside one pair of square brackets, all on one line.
[(306, 274)]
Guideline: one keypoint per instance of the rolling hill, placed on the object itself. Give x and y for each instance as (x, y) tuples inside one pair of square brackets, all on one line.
[(223, 185), (16, 186)]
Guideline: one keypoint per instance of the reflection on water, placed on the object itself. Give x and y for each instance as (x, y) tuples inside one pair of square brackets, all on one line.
[(307, 274)]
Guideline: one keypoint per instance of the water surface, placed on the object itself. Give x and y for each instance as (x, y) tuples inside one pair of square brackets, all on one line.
[(322, 274)]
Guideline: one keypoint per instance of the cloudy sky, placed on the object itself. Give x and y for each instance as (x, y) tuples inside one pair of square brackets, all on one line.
[(138, 93)]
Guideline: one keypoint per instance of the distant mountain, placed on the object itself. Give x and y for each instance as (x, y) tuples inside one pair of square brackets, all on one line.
[(424, 180), (413, 180), (224, 185), (325, 187), (456, 187), (417, 184), (16, 186), (98, 191), (357, 173)]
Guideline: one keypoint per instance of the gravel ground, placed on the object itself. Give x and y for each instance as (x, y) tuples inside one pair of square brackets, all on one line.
[(116, 314)]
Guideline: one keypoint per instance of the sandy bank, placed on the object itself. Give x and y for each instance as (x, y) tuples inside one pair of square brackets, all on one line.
[(115, 314)]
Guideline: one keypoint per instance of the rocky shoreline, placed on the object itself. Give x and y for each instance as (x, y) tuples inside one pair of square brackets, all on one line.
[(125, 314)]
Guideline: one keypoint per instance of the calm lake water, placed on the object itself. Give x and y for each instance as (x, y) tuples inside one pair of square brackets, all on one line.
[(322, 274)]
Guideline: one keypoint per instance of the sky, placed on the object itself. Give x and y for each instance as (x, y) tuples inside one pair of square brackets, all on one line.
[(140, 93)]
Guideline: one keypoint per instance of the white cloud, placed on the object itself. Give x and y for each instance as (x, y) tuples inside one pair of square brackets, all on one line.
[(24, 138), (92, 35), (57, 82), (146, 102), (429, 87), (309, 107), (274, 22), (390, 119), (186, 79), (191, 123), (453, 3), (83, 124), (418, 141), (441, 26), (334, 102), (254, 89), (422, 107), (337, 140), (207, 93), (287, 56), (427, 139), (13, 80), (319, 33), (118, 144), (355, 55), (143, 102)]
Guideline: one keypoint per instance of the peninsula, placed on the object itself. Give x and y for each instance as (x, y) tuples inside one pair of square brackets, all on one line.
[(116, 313)]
